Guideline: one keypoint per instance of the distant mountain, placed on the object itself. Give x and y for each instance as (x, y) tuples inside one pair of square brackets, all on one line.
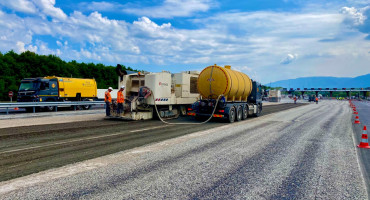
[(324, 82)]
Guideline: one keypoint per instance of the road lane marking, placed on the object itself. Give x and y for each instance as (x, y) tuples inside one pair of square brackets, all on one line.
[(146, 129)]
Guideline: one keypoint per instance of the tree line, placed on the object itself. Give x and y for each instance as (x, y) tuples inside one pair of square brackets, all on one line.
[(15, 67)]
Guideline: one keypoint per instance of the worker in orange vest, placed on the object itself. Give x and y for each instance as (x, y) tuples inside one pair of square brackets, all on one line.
[(317, 100), (120, 101), (108, 101), (295, 99)]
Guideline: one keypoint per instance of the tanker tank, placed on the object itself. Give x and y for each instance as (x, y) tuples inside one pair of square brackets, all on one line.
[(215, 80)]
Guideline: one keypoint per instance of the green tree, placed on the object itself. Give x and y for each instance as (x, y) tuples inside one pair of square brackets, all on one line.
[(15, 67)]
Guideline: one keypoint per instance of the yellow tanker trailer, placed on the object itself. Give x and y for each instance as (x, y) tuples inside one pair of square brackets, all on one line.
[(227, 93), (55, 89)]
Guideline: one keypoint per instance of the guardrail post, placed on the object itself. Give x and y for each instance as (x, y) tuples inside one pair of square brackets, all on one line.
[(33, 109), (7, 111), (56, 108), (75, 107)]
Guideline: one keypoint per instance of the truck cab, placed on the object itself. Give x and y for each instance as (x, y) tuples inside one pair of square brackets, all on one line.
[(38, 90)]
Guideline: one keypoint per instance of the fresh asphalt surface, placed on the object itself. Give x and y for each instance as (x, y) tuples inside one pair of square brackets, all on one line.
[(363, 108), (303, 153)]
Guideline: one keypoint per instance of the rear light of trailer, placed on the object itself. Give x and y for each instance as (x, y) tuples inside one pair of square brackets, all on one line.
[(221, 111), (190, 109)]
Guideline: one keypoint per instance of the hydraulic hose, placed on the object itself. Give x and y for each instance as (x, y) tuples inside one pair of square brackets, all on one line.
[(213, 112)]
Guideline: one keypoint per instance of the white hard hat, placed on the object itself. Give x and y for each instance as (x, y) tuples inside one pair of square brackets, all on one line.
[(110, 88), (122, 87)]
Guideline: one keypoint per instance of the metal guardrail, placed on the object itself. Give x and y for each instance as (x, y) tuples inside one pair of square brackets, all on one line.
[(43, 104)]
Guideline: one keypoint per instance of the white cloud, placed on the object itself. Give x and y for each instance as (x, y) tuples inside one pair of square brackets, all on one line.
[(21, 47), (152, 29), (250, 72), (41, 7), (354, 16), (24, 6), (47, 7), (288, 59), (259, 40), (100, 6), (171, 8)]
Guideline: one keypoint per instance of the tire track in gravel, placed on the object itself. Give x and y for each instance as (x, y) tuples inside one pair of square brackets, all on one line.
[(293, 186), (116, 181), (119, 180), (15, 165), (251, 167), (39, 160)]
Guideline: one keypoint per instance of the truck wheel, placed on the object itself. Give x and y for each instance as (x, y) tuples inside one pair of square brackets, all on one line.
[(259, 110), (85, 107), (245, 112), (239, 113), (232, 115), (49, 108)]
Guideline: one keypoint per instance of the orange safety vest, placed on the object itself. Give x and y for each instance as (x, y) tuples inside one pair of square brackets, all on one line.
[(120, 97), (108, 97), (317, 99)]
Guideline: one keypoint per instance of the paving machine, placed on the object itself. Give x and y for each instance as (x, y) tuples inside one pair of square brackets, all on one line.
[(150, 94)]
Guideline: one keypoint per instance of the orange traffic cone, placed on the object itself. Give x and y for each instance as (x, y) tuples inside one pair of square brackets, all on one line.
[(357, 120), (355, 113), (364, 140)]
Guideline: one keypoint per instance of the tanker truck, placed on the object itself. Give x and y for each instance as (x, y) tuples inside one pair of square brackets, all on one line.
[(226, 94), (56, 89)]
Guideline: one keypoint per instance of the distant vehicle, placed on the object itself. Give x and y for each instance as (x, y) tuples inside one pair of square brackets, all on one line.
[(54, 89), (274, 96), (311, 98)]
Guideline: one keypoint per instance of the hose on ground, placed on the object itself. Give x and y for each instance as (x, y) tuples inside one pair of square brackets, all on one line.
[(213, 112)]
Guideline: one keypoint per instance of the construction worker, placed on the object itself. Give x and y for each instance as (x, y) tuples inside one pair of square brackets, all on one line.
[(295, 99), (317, 100), (120, 101), (108, 101)]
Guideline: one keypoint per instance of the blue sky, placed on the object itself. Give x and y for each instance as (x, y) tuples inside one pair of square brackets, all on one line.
[(269, 40)]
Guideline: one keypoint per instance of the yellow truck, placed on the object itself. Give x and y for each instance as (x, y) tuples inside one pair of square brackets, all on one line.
[(53, 88)]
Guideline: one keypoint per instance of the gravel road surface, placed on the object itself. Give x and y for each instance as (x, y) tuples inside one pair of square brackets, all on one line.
[(363, 109), (28, 149), (303, 153)]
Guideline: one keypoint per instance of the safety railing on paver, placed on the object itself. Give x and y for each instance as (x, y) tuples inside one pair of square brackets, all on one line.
[(43, 104)]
